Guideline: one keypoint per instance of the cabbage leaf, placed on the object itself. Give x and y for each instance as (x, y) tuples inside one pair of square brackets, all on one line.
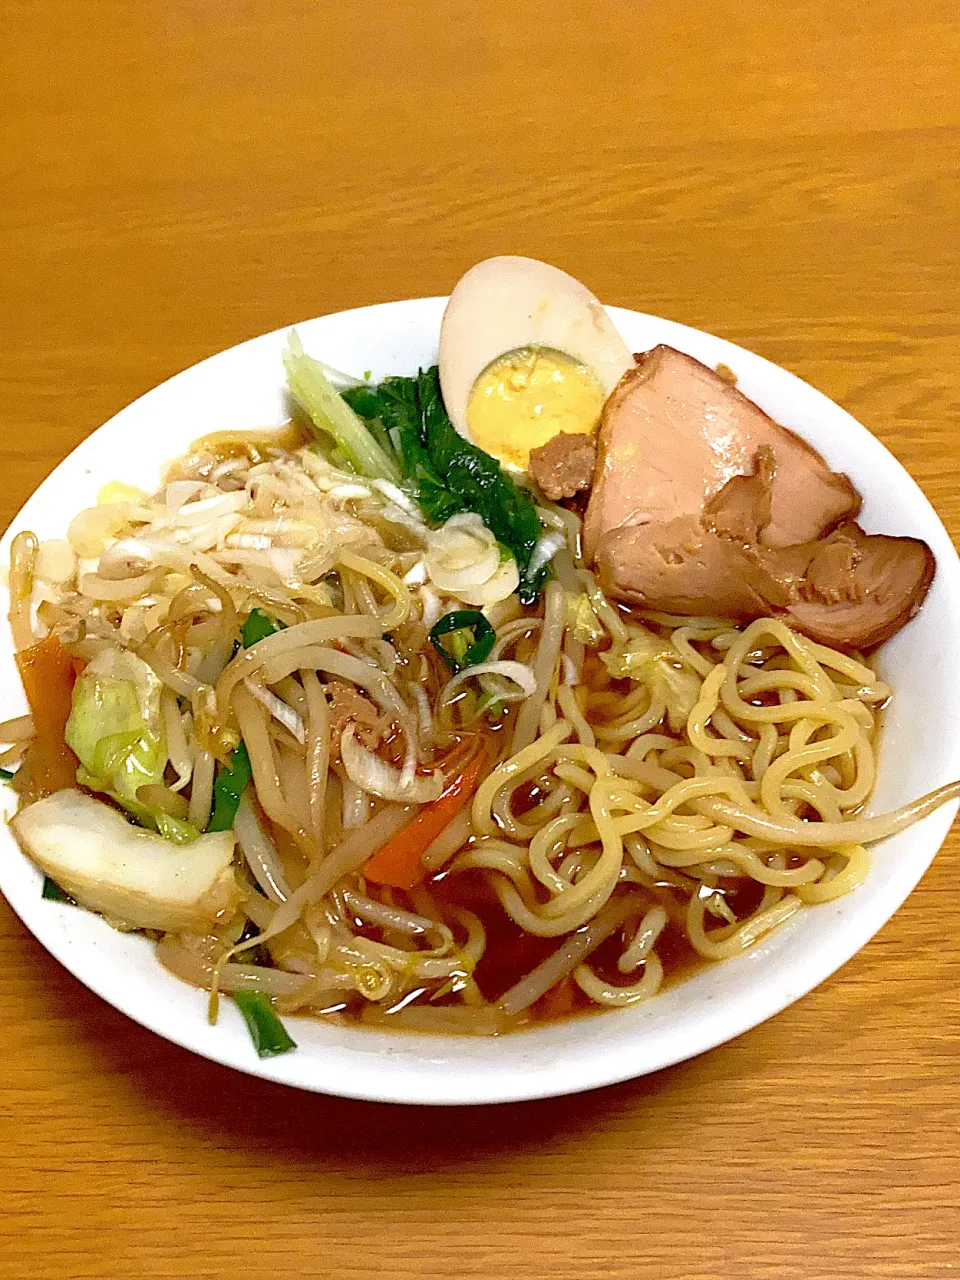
[(115, 730), (655, 661)]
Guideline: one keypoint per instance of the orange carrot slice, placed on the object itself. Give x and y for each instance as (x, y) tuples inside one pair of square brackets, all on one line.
[(399, 862)]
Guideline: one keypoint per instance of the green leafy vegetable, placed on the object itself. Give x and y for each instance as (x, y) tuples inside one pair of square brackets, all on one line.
[(404, 419), (458, 625), (363, 400), (116, 732), (257, 626), (53, 893), (6, 774), (448, 473), (267, 1032), (332, 416)]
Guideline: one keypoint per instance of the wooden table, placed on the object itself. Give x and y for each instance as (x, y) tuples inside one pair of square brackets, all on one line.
[(180, 175)]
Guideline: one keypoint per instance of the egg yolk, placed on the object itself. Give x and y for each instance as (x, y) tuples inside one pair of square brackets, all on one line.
[(525, 397)]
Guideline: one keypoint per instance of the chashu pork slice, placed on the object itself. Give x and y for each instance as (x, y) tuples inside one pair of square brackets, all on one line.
[(674, 432), (859, 589), (849, 589)]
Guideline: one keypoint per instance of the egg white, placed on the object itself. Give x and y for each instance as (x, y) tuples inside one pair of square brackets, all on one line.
[(503, 304)]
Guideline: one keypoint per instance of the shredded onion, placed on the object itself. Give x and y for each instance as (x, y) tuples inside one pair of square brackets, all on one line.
[(279, 709), (461, 553), (517, 673), (375, 776), (544, 551), (393, 493)]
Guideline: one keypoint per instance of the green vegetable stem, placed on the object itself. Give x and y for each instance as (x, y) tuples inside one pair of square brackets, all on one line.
[(232, 781), (269, 1035), (332, 416)]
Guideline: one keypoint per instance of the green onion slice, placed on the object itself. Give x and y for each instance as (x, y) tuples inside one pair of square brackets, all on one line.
[(228, 788), (257, 626), (457, 625), (232, 782)]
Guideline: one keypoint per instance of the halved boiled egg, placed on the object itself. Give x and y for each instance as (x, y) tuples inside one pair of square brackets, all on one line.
[(526, 351)]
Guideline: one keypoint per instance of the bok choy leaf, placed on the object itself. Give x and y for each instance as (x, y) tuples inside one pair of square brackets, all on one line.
[(332, 416), (448, 473)]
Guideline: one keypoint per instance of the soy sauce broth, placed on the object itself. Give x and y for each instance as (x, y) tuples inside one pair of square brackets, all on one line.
[(511, 952)]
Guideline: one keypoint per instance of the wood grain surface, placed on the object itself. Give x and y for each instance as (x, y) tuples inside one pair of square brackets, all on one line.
[(178, 175)]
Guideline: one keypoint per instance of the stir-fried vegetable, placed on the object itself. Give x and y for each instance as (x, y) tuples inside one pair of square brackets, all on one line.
[(583, 621), (132, 876), (269, 1035), (448, 474), (232, 782), (400, 429), (399, 862), (654, 659), (115, 725), (116, 730), (463, 558), (48, 675), (257, 626), (333, 416), (463, 652), (229, 787)]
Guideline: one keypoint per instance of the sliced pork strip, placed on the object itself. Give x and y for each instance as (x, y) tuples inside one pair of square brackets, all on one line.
[(674, 432)]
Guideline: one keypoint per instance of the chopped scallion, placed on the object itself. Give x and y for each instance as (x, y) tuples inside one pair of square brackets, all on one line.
[(228, 788), (257, 626), (461, 652), (269, 1035), (232, 782)]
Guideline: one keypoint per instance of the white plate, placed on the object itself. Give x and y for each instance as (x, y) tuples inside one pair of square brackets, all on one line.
[(243, 387)]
